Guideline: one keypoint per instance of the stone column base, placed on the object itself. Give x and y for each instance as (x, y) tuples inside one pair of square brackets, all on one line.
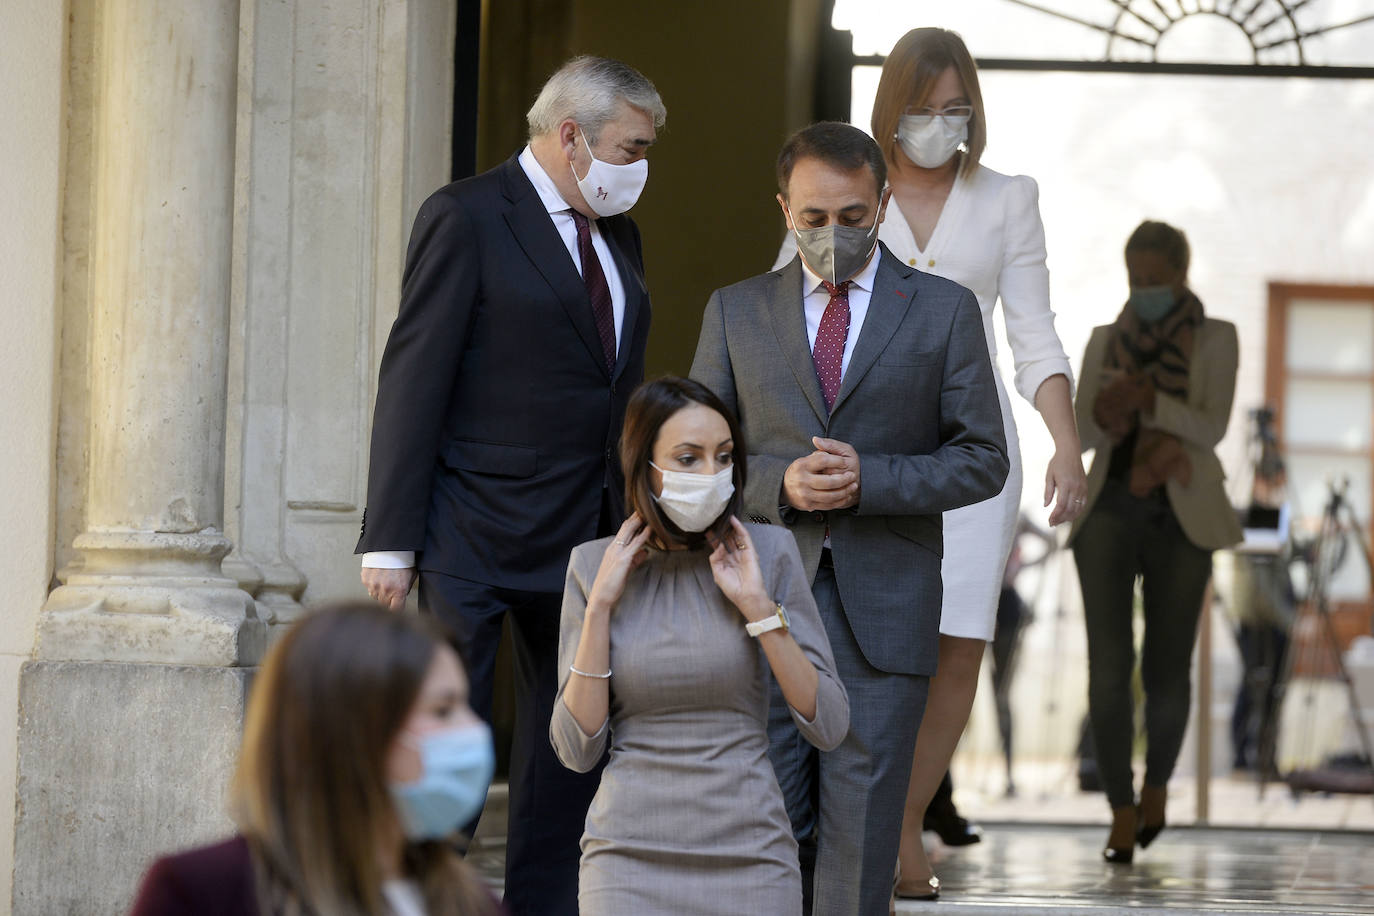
[(118, 763), (151, 597), (152, 623)]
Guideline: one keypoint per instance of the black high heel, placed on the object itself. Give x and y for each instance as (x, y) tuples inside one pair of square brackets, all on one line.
[(1118, 856), (928, 891), (1147, 834)]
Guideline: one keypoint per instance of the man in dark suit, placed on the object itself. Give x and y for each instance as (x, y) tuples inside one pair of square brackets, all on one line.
[(867, 401), (520, 336)]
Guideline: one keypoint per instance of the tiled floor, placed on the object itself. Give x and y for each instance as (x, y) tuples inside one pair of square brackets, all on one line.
[(1023, 868), (1039, 868), (1048, 796)]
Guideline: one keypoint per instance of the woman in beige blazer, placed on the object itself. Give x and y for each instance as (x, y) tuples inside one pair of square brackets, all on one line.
[(1154, 399)]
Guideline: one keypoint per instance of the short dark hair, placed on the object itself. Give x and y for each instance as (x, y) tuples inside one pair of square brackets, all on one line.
[(1153, 235), (649, 408), (835, 143)]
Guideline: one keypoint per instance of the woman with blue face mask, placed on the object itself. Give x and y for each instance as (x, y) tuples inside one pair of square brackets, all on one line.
[(671, 633), (360, 760), (1154, 401)]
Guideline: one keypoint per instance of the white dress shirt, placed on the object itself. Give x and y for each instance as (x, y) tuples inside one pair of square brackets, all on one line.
[(815, 299), (561, 215)]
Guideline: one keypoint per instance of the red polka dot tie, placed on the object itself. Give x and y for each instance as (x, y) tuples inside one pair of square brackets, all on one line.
[(828, 353)]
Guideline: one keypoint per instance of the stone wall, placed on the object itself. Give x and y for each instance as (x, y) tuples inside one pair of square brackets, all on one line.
[(31, 154)]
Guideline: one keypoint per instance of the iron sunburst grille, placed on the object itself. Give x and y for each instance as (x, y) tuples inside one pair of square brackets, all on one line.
[(1272, 27)]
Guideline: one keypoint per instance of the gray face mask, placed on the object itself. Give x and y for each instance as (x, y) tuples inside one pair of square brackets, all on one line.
[(836, 253)]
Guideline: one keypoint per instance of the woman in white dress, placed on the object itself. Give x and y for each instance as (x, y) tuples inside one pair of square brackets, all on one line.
[(959, 220)]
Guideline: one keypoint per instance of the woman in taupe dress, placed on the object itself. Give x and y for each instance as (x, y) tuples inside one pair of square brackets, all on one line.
[(669, 633)]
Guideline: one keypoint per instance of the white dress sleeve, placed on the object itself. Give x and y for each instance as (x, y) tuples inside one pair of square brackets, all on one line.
[(1024, 287)]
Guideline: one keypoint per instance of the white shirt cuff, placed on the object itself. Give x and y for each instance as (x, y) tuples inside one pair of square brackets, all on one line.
[(389, 559)]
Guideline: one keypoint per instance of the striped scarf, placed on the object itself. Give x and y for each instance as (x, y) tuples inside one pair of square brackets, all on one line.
[(1161, 352)]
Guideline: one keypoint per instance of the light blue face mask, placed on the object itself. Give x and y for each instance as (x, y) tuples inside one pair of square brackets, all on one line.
[(457, 765), (1152, 303)]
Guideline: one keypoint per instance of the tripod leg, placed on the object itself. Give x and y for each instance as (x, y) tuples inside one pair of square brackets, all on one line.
[(1356, 714)]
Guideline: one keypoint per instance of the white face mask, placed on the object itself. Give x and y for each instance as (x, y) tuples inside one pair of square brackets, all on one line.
[(694, 501), (611, 189), (929, 140)]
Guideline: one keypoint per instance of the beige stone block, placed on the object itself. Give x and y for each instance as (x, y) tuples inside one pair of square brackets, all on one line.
[(118, 764), (9, 706)]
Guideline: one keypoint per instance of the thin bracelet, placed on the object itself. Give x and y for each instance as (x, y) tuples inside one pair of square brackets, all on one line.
[(600, 677)]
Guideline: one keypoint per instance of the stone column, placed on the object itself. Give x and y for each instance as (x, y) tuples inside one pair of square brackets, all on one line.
[(150, 588), (131, 711)]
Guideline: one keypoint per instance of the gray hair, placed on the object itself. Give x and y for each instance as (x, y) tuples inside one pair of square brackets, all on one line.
[(589, 90)]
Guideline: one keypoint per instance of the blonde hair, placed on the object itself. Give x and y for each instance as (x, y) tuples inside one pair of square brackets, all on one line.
[(908, 77), (310, 793)]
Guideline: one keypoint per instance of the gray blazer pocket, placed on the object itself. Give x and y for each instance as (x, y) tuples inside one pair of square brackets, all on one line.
[(897, 359), (491, 458), (922, 530)]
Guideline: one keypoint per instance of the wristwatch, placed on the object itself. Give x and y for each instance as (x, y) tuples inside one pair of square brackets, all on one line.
[(778, 621)]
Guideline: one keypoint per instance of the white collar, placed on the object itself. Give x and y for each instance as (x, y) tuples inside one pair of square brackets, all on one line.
[(811, 281), (543, 184)]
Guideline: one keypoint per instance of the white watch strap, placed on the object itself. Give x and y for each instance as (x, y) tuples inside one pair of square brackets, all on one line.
[(776, 622)]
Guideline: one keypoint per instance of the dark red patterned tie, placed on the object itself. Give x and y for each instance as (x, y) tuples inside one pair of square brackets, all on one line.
[(598, 290), (828, 353)]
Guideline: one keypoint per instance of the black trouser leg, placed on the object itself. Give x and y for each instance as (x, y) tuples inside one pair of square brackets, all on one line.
[(548, 803)]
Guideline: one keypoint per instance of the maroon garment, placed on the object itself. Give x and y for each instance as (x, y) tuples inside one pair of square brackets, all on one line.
[(207, 881)]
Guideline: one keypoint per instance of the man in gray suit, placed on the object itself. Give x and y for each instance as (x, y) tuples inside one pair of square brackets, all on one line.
[(867, 402)]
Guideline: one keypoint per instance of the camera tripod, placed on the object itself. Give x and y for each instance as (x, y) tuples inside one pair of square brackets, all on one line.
[(1323, 556)]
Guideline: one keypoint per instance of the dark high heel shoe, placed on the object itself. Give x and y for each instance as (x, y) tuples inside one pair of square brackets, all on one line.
[(1147, 834), (930, 890), (1154, 798), (1124, 822), (1118, 856)]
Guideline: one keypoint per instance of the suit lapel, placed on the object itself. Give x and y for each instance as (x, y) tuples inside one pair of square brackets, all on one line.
[(533, 229), (894, 287), (787, 313)]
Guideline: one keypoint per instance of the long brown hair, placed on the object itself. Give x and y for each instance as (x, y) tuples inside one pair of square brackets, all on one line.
[(909, 75), (310, 793), (649, 408)]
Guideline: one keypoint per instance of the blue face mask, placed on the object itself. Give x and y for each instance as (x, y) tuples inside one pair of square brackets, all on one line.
[(457, 766), (1152, 303)]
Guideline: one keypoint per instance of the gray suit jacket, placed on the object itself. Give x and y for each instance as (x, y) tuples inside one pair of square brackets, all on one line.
[(919, 404)]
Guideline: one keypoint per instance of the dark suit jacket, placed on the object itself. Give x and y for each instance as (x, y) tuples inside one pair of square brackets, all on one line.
[(919, 404), (208, 881), (497, 424)]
